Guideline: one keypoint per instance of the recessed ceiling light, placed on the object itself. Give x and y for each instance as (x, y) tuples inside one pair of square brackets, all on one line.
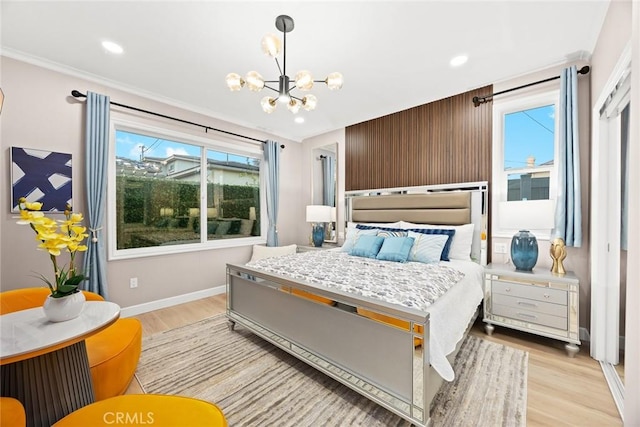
[(112, 47), (457, 61), (299, 119)]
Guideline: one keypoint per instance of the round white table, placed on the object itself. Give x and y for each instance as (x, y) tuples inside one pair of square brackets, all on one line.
[(45, 365)]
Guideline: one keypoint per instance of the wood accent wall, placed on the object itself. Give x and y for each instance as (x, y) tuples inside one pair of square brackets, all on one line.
[(445, 141)]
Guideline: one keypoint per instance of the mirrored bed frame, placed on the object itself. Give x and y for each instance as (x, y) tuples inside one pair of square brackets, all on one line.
[(334, 338)]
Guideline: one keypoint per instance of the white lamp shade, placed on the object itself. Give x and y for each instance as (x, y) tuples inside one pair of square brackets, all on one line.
[(212, 213), (293, 106), (318, 213), (526, 215), (194, 212), (166, 211), (252, 213), (268, 104), (271, 45), (304, 80), (254, 80), (333, 214), (309, 102), (234, 81), (334, 81)]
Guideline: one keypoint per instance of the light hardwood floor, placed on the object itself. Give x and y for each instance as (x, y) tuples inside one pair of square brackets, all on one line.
[(560, 391)]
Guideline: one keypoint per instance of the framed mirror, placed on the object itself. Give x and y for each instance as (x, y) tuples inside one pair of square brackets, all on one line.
[(324, 184)]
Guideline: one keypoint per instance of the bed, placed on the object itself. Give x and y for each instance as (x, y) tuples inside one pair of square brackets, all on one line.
[(395, 351)]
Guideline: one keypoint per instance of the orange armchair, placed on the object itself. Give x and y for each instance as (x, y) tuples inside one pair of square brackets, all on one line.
[(113, 353)]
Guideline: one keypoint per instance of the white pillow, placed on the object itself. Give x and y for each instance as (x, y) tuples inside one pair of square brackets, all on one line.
[(375, 224), (260, 252), (462, 240)]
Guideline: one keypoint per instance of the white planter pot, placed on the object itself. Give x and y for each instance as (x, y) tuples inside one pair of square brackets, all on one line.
[(64, 308)]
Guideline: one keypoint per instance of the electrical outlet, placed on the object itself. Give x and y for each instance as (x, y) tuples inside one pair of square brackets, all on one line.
[(500, 248), (133, 282)]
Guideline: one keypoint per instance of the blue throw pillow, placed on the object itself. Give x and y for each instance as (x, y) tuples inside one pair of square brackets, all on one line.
[(427, 248), (446, 231), (396, 249), (367, 246), (353, 234)]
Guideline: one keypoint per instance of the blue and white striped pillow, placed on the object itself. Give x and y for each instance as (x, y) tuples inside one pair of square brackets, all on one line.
[(391, 233), (427, 248)]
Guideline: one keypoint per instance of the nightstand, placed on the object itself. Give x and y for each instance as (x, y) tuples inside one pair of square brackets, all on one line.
[(537, 301), (304, 248)]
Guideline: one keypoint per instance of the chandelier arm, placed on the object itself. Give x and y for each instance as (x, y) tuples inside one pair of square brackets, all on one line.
[(273, 89), (278, 64)]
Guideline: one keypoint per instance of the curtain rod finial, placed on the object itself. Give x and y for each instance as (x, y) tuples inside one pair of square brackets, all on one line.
[(584, 70)]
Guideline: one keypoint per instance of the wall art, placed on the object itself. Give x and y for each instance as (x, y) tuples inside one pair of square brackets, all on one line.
[(41, 176)]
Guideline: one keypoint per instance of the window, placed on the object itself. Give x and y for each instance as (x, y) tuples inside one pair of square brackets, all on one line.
[(529, 143), (173, 193), (524, 176)]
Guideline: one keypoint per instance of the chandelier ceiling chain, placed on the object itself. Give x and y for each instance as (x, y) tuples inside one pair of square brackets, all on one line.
[(303, 80)]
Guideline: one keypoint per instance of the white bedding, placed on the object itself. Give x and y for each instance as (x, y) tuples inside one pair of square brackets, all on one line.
[(451, 314), (451, 304)]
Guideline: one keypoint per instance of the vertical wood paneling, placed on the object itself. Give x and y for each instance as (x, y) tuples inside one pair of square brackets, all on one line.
[(445, 141)]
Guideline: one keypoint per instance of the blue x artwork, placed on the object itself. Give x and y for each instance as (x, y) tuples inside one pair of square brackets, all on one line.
[(41, 176)]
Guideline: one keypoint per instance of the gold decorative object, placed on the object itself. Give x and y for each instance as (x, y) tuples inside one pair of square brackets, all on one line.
[(558, 252)]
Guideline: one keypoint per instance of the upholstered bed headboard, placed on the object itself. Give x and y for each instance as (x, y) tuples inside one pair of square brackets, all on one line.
[(429, 208), (450, 204)]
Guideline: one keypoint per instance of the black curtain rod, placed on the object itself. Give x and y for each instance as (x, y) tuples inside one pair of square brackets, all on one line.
[(477, 100), (77, 94)]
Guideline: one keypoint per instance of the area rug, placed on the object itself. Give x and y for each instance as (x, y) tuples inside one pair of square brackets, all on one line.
[(257, 384)]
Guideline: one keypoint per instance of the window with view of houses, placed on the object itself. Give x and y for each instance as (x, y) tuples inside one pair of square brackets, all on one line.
[(529, 142), (170, 192), (524, 154)]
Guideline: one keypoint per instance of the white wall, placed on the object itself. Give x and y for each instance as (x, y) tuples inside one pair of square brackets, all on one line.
[(40, 113)]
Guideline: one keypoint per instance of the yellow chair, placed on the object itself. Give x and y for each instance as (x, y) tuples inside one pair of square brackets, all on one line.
[(12, 413), (113, 353), (146, 409)]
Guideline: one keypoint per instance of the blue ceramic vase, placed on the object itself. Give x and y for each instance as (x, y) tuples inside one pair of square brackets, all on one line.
[(318, 234), (524, 250)]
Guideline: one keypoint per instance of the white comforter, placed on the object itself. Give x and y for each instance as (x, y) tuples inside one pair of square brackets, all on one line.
[(449, 291)]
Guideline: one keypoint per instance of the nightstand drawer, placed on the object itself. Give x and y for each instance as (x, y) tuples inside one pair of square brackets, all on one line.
[(534, 292), (536, 306), (530, 316)]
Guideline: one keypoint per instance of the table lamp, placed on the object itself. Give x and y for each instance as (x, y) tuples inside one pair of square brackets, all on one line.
[(318, 215)]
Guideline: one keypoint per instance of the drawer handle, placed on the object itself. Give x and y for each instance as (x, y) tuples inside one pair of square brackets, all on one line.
[(507, 289), (547, 296), (527, 304), (529, 316)]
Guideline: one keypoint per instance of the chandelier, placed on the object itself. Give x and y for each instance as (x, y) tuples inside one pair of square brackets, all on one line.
[(303, 80)]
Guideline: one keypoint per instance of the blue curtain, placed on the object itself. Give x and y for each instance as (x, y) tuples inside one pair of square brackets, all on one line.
[(97, 149), (568, 215), (329, 185), (272, 164)]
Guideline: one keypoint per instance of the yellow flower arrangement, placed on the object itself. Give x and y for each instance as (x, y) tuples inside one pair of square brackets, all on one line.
[(55, 237)]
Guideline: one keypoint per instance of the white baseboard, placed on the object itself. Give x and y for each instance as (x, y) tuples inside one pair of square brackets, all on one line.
[(169, 302)]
